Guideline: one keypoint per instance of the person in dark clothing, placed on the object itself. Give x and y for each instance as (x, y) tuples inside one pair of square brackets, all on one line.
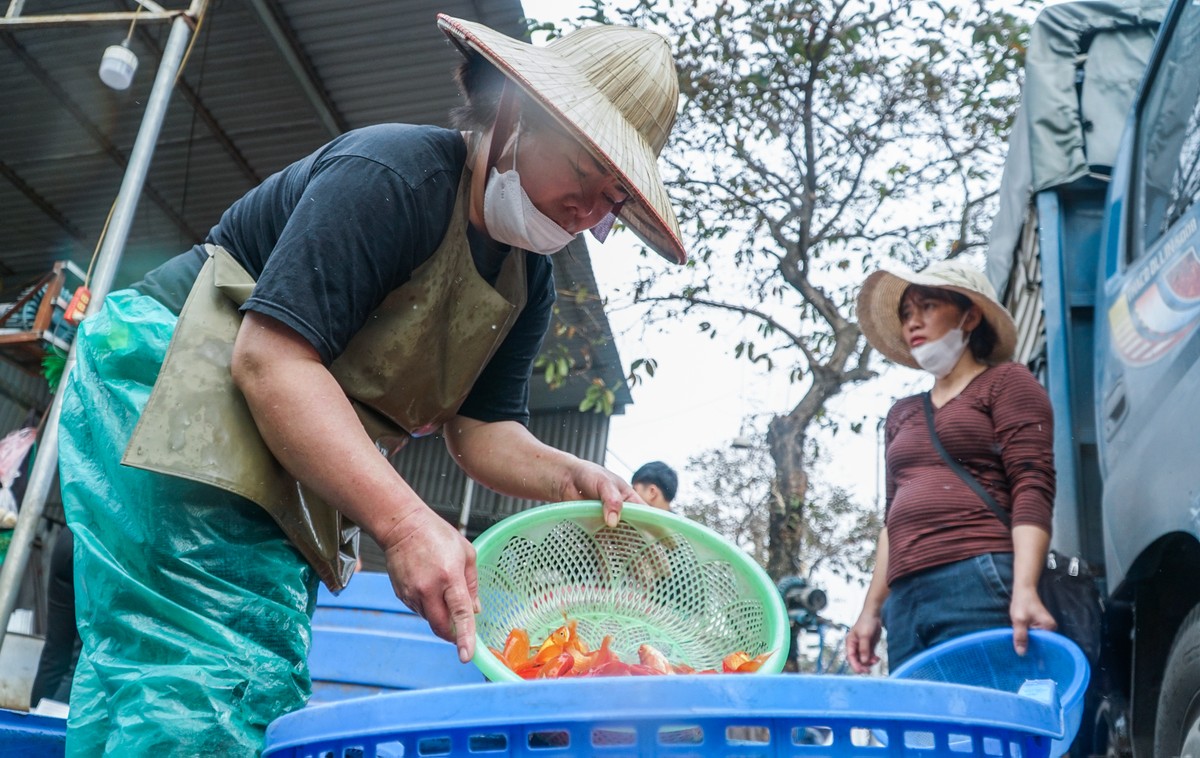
[(395, 282), (56, 666), (946, 565)]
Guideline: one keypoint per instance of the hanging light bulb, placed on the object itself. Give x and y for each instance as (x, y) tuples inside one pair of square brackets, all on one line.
[(119, 62), (118, 66)]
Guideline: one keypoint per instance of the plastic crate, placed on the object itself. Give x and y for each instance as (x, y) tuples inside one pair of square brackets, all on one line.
[(23, 735), (724, 715), (366, 642), (987, 659)]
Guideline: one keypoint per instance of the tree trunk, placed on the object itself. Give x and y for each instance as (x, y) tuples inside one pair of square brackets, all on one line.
[(786, 436)]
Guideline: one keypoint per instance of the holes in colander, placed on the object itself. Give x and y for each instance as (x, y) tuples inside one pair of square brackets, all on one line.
[(992, 746)]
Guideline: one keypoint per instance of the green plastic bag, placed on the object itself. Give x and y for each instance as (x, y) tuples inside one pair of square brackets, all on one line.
[(193, 609)]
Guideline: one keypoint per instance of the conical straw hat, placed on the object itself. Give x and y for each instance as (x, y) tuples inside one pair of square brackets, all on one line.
[(879, 307), (615, 89)]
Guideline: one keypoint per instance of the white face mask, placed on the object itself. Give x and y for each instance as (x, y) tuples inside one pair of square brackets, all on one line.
[(940, 356), (513, 219)]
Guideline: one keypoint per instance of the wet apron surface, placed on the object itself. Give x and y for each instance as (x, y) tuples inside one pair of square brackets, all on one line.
[(406, 372)]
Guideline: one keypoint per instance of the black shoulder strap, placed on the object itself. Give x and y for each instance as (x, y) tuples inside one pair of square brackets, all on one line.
[(957, 468)]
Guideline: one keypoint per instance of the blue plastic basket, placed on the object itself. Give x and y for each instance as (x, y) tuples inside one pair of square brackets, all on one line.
[(675, 716), (987, 659), (366, 642), (23, 735)]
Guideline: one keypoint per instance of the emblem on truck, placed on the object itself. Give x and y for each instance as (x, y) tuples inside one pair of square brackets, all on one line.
[(1160, 304)]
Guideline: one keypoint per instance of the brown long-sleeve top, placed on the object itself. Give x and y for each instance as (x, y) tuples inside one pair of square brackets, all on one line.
[(1000, 429)]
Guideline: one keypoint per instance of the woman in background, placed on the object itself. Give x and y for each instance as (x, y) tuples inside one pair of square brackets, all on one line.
[(946, 564)]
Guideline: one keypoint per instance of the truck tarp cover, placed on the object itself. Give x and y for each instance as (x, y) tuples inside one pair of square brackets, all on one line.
[(1064, 129)]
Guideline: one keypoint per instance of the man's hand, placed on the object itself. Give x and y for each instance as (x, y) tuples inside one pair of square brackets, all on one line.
[(432, 568)]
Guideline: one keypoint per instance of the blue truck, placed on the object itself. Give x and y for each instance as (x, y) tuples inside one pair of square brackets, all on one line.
[(1094, 249)]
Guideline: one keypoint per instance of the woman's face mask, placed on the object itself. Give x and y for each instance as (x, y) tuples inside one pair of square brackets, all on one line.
[(940, 356), (513, 219)]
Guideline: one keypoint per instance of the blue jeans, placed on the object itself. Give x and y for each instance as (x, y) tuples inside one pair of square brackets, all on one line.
[(944, 602)]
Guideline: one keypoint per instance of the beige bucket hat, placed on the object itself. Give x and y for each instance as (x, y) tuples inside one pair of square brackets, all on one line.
[(615, 89), (879, 307)]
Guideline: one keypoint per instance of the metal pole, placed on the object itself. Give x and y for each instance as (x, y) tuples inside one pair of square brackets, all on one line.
[(464, 515), (108, 257)]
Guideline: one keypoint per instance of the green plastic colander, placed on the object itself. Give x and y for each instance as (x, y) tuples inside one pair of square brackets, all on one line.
[(655, 578)]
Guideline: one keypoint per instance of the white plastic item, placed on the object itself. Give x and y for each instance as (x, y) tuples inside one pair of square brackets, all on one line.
[(118, 66), (13, 449)]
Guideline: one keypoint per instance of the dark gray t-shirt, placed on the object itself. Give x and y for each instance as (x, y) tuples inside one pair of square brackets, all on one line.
[(328, 237)]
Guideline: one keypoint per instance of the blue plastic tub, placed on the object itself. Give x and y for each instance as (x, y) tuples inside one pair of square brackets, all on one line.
[(678, 715), (366, 642), (23, 735), (987, 659)]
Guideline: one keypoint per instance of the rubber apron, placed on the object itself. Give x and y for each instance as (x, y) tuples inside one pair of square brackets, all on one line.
[(406, 372)]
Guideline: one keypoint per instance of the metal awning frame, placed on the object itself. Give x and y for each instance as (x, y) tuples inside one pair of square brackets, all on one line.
[(147, 12)]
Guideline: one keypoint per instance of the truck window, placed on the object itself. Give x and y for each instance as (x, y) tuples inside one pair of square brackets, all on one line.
[(1168, 138)]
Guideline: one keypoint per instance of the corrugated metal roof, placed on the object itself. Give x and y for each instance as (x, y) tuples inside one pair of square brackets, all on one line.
[(239, 113)]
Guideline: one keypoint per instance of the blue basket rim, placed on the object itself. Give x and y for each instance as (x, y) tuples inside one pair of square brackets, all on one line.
[(868, 701), (1069, 693)]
